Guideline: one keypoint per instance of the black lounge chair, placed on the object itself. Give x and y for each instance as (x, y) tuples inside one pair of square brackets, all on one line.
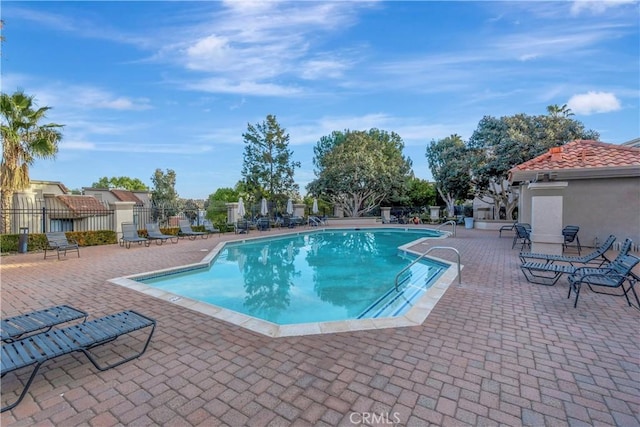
[(522, 235), (186, 231), (210, 228), (130, 235), (263, 224), (16, 327), (39, 348), (511, 227), (612, 276), (57, 241), (548, 272), (597, 255), (154, 233), (242, 226), (570, 234)]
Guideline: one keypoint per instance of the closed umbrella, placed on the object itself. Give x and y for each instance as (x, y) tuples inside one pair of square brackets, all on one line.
[(241, 210), (289, 206), (264, 209), (314, 208)]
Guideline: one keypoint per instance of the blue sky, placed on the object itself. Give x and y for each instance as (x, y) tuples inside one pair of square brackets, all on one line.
[(173, 85)]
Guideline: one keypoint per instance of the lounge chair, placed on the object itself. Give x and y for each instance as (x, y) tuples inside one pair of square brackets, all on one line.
[(612, 276), (186, 231), (263, 224), (39, 348), (522, 235), (511, 227), (57, 241), (570, 234), (130, 235), (154, 233), (16, 327), (597, 255), (548, 272), (210, 228)]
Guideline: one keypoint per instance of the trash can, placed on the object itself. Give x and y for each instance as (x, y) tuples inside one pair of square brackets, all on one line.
[(23, 238), (468, 222)]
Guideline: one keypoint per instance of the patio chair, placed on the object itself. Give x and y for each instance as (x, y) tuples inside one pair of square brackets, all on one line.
[(154, 233), (186, 231), (57, 241), (548, 272), (263, 224), (40, 348), (612, 276), (511, 227), (591, 258), (522, 235), (241, 226), (16, 327), (570, 234), (130, 235), (210, 228)]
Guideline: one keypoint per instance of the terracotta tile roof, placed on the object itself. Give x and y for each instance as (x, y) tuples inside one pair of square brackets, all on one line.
[(126, 196), (585, 156), (82, 204)]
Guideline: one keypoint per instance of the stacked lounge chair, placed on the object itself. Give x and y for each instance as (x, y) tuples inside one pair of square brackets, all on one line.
[(154, 233)]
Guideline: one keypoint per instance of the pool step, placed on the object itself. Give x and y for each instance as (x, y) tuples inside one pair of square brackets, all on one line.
[(411, 286)]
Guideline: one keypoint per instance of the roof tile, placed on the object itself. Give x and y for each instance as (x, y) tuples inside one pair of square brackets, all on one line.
[(82, 204)]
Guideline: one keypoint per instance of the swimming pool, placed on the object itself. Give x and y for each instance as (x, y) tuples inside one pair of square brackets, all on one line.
[(310, 278)]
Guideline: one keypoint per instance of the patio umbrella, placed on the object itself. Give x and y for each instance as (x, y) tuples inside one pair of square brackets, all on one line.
[(314, 208), (264, 209), (241, 210), (289, 206)]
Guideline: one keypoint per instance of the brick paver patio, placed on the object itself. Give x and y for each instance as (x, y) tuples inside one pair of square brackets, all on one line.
[(496, 350)]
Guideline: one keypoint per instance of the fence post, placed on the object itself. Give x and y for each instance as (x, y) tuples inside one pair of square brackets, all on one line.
[(44, 219)]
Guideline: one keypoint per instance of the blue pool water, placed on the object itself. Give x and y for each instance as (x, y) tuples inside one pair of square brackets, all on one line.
[(310, 277)]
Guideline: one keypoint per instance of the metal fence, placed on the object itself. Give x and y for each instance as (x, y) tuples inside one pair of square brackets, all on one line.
[(38, 217)]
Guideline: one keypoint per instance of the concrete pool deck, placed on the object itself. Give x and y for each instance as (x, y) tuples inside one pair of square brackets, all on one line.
[(495, 350)]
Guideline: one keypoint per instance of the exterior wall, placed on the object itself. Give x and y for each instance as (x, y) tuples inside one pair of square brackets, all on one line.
[(600, 207), (104, 195)]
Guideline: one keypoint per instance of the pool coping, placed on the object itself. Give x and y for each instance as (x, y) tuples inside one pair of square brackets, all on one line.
[(416, 315)]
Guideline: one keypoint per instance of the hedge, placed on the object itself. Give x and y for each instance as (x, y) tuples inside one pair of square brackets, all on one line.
[(37, 242)]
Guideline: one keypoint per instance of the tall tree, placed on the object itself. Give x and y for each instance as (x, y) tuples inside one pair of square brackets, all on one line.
[(498, 145), (449, 165), (420, 193), (124, 182), (357, 170), (164, 187), (268, 168), (24, 139)]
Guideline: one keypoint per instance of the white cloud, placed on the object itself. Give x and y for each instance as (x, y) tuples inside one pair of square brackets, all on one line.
[(597, 7), (593, 103)]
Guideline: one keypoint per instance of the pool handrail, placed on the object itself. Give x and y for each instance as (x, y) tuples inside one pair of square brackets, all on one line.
[(450, 222), (425, 254)]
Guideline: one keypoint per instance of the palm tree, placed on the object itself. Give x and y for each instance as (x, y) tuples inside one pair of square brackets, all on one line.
[(23, 140), (556, 110)]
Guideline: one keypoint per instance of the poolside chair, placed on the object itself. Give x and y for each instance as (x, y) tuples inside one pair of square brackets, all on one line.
[(548, 272), (210, 228), (130, 235), (511, 227), (241, 226), (597, 256), (522, 235), (570, 234), (57, 241), (263, 224), (612, 276), (154, 233), (16, 327), (39, 348), (186, 231)]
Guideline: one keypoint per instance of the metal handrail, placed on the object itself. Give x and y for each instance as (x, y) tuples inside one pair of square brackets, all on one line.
[(452, 222), (425, 254)]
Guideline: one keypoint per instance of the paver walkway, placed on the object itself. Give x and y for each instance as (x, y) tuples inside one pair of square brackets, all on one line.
[(496, 350)]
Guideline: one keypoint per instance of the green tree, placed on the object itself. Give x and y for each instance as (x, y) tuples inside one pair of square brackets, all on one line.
[(24, 140), (449, 165), (124, 182), (164, 195), (217, 206), (357, 170), (268, 168), (497, 145), (420, 193)]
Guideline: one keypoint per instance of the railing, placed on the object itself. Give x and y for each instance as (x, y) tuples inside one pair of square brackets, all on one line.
[(450, 222), (425, 254)]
